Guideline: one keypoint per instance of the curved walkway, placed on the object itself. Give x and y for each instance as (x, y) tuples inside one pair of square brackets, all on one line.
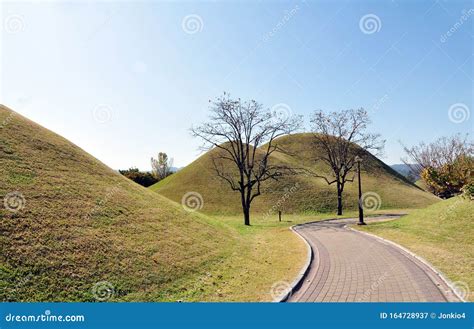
[(349, 266)]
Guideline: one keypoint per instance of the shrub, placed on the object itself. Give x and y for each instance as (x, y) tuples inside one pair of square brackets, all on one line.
[(143, 178), (445, 165), (447, 180), (468, 191)]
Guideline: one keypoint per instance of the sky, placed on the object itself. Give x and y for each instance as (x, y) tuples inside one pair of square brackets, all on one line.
[(125, 80)]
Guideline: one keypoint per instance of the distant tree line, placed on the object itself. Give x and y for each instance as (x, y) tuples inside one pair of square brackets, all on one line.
[(161, 168), (144, 178)]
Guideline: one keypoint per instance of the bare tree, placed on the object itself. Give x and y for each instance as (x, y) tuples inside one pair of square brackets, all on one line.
[(161, 166), (445, 165), (243, 135), (339, 137)]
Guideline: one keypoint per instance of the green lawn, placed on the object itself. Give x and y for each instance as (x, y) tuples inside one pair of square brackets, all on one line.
[(442, 234), (263, 254)]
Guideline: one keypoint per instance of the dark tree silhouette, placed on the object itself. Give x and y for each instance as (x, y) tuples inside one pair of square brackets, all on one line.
[(143, 178), (340, 137), (243, 135)]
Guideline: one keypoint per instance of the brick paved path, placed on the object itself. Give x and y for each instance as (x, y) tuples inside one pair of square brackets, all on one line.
[(352, 267)]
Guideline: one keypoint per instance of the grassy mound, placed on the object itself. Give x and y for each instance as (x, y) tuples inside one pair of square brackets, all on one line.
[(69, 223), (295, 194), (442, 234)]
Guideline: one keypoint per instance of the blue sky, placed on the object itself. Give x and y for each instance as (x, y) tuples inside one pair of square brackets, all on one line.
[(126, 80)]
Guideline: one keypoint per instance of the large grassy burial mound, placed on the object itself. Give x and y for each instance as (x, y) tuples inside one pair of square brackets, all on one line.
[(302, 193), (72, 229)]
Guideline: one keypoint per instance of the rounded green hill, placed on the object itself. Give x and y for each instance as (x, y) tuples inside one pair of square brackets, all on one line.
[(69, 224), (302, 193)]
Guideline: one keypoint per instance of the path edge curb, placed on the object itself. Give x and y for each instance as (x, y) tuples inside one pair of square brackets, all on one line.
[(419, 258), (302, 273), (309, 259)]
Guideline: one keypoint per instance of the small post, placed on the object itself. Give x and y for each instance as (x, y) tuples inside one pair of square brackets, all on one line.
[(361, 210), (279, 215)]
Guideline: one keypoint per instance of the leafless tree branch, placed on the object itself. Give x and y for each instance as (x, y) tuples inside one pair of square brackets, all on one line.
[(339, 137), (243, 134)]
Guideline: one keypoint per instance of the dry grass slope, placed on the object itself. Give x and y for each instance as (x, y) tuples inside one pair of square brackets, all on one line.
[(83, 223), (298, 194)]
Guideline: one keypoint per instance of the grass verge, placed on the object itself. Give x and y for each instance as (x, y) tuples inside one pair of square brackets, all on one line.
[(264, 254), (442, 234)]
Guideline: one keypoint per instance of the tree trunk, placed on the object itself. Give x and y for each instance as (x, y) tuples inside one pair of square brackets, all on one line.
[(246, 210), (339, 199), (245, 205)]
